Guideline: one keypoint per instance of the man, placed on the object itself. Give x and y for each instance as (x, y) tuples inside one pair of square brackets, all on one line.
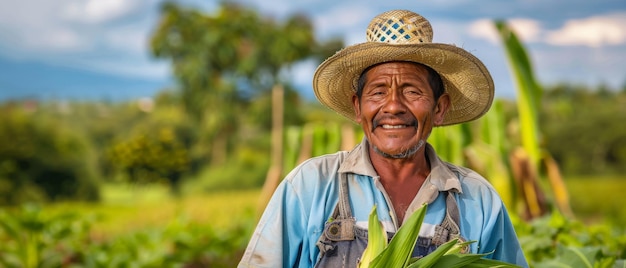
[(397, 86)]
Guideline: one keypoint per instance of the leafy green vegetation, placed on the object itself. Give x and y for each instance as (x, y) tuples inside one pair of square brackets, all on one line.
[(130, 231), (398, 252), (583, 129), (103, 173), (42, 160), (555, 241), (145, 227), (31, 240)]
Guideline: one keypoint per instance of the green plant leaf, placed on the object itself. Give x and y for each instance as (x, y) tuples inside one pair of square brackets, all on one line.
[(577, 256), (376, 239), (457, 260), (480, 263), (528, 91), (620, 263), (399, 251), (430, 259)]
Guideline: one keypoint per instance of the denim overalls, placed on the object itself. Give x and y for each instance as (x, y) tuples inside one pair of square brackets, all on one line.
[(342, 242)]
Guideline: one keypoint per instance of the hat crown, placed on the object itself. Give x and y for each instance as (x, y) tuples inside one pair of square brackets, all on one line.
[(399, 27)]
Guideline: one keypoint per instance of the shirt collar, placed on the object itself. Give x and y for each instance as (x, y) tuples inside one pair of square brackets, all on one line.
[(441, 177)]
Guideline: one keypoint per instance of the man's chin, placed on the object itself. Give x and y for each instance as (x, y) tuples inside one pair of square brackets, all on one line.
[(402, 154)]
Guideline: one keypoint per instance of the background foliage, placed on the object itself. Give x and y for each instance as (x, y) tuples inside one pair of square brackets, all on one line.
[(88, 164)]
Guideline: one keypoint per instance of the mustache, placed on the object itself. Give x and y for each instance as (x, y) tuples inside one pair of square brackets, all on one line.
[(409, 121)]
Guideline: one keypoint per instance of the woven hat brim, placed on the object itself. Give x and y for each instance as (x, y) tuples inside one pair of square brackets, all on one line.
[(465, 78)]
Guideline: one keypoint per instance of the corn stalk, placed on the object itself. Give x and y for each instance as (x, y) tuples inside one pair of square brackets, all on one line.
[(487, 153), (526, 160), (292, 145), (450, 141)]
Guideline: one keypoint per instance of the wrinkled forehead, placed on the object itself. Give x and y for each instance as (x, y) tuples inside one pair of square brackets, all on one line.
[(420, 68)]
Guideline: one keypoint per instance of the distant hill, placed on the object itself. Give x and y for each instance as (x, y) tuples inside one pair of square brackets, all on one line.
[(47, 82)]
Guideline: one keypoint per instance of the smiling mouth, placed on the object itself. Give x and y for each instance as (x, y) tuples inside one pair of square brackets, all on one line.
[(393, 126), (391, 123)]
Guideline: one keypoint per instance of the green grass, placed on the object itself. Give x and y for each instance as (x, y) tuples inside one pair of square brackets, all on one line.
[(126, 209), (598, 198)]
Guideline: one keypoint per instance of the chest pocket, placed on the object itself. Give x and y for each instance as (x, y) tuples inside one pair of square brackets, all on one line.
[(342, 243)]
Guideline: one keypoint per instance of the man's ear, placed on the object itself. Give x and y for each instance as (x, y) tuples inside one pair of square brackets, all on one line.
[(442, 106), (356, 105)]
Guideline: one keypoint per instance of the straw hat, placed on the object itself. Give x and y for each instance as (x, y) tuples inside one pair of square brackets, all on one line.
[(401, 35)]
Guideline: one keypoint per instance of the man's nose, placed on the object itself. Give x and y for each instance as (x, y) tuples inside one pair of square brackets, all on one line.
[(393, 104)]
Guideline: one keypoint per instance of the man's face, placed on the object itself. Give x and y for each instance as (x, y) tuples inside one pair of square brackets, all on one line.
[(397, 109)]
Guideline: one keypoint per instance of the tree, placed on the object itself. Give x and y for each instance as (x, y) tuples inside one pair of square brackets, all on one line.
[(219, 59), (43, 160), (582, 128), (151, 157)]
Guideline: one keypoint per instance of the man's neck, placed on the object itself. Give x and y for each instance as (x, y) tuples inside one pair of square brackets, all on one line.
[(401, 178), (398, 170)]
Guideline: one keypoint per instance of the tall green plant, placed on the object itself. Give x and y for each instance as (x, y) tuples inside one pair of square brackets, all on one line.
[(488, 153), (450, 141), (527, 89), (526, 160)]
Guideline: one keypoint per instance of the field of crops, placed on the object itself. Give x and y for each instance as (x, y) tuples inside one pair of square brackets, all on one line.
[(133, 227), (597, 199), (144, 227)]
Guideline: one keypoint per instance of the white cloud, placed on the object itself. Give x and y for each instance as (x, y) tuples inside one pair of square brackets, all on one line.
[(34, 26), (98, 11), (128, 38), (135, 67), (526, 30), (348, 21), (56, 39), (38, 28), (594, 31), (56, 32), (484, 29)]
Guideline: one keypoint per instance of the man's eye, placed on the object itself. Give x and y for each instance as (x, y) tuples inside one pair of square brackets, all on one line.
[(377, 92), (412, 92)]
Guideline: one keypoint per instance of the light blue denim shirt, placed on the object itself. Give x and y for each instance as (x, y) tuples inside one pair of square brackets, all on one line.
[(294, 219)]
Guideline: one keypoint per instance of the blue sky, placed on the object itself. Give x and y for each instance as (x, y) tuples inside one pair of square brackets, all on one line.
[(97, 49)]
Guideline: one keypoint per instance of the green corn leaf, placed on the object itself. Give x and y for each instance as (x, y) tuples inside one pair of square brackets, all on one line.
[(319, 139), (487, 159), (457, 260), (457, 247), (333, 137), (480, 263), (528, 91), (466, 260), (430, 259), (450, 141), (376, 239), (292, 140), (398, 252)]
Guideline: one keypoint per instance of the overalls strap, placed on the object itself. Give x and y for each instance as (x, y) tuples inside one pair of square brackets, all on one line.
[(449, 228), (341, 226)]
